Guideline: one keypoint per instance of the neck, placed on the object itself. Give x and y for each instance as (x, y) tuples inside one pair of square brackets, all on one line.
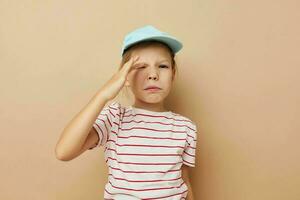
[(157, 107)]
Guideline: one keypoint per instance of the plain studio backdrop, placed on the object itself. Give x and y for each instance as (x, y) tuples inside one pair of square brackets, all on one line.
[(238, 80)]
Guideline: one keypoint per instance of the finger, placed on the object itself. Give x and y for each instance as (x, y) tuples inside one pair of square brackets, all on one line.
[(133, 63), (133, 60), (136, 58), (125, 65), (130, 63)]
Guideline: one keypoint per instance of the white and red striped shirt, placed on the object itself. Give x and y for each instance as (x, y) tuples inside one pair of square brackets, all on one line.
[(144, 151)]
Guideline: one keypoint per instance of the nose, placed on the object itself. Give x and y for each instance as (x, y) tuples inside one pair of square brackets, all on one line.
[(153, 75)]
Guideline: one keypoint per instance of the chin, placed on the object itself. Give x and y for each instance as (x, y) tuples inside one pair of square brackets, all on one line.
[(153, 99)]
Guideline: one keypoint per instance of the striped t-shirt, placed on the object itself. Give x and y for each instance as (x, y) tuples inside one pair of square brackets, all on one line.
[(144, 151)]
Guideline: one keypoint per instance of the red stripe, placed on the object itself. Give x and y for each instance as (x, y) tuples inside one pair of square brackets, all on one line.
[(123, 129), (116, 124), (191, 146), (167, 196), (100, 131), (105, 125), (134, 163), (132, 154), (154, 197), (184, 161), (112, 113), (124, 122), (193, 141), (144, 172), (188, 154), (130, 189), (107, 117), (158, 138), (156, 116), (156, 130), (140, 145), (143, 181), (192, 136)]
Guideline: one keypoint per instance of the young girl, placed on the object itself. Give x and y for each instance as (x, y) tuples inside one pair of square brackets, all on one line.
[(147, 148)]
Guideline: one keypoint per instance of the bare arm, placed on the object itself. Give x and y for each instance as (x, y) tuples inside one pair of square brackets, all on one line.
[(74, 135), (79, 134)]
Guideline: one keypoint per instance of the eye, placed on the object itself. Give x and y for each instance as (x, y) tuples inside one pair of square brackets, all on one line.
[(164, 66), (139, 66)]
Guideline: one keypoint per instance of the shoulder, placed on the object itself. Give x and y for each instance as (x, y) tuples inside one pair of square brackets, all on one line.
[(185, 120), (188, 123), (114, 106)]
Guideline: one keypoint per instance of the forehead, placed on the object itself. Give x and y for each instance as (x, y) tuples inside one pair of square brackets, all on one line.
[(153, 51)]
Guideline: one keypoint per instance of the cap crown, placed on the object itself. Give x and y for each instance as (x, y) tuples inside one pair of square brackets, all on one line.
[(150, 33)]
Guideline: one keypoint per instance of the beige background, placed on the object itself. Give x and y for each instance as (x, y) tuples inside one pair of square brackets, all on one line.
[(238, 80)]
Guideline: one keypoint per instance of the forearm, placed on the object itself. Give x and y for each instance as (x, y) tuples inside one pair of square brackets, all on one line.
[(77, 130), (190, 195)]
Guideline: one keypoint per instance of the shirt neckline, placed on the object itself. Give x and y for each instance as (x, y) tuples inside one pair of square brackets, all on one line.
[(141, 110)]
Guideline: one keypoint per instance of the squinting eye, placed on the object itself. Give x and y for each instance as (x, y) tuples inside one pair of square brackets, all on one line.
[(139, 66), (164, 66)]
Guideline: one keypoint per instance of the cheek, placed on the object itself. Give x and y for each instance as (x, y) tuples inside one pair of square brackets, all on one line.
[(138, 79), (167, 77), (168, 81)]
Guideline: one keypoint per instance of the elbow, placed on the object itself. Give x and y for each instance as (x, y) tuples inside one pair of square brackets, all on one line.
[(60, 155), (64, 155), (61, 158)]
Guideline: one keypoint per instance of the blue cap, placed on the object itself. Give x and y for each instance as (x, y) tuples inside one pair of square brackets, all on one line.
[(150, 33)]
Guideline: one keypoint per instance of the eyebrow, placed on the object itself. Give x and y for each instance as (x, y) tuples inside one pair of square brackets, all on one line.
[(158, 62), (164, 60)]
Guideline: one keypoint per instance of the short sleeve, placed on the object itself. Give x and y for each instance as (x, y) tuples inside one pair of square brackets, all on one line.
[(189, 153), (107, 119)]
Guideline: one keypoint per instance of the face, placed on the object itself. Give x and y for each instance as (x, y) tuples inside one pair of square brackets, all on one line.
[(153, 68)]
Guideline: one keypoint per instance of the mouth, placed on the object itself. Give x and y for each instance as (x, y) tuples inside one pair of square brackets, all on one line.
[(153, 89)]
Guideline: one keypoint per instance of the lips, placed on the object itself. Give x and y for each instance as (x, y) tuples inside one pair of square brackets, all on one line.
[(152, 87)]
